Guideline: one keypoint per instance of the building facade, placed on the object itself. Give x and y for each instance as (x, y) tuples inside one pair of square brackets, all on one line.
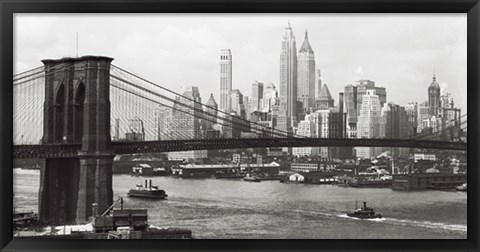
[(187, 122), (225, 79), (350, 107), (237, 106), (369, 122), (324, 100), (287, 117), (434, 97), (363, 86), (411, 109), (306, 128), (164, 116), (270, 98), (423, 114), (306, 76), (257, 95)]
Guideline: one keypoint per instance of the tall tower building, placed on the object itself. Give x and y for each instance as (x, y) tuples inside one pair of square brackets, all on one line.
[(369, 122), (287, 117), (412, 117), (257, 95), (225, 79), (306, 75), (434, 97), (350, 106)]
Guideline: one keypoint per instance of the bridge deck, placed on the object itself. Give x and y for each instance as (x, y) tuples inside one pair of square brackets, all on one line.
[(71, 150)]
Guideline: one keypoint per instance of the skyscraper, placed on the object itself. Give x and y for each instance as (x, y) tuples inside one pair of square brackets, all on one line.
[(225, 79), (412, 117), (288, 82), (369, 122), (350, 107), (257, 95), (363, 86), (396, 126), (270, 97), (237, 106), (423, 114), (306, 75), (186, 125), (434, 97), (323, 127), (186, 122)]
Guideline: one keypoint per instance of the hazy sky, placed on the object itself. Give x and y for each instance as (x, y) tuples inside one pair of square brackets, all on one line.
[(398, 51)]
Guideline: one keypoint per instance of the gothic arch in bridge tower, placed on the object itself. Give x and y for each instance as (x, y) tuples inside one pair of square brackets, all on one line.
[(59, 113), (79, 99)]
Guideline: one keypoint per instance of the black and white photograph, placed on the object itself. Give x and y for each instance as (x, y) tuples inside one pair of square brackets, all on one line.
[(240, 126)]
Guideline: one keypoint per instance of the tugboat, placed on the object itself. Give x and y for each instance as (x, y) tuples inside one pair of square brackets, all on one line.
[(364, 213), (148, 191)]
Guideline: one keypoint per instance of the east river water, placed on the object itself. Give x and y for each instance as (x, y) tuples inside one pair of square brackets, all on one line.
[(216, 208)]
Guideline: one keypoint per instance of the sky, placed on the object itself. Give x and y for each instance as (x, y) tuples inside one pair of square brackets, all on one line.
[(400, 52)]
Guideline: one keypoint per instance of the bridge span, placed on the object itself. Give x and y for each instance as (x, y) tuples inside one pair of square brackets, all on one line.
[(71, 150)]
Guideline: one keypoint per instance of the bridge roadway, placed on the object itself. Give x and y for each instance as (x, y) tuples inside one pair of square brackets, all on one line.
[(71, 150)]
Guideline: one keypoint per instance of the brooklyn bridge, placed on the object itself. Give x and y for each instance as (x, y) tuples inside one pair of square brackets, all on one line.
[(64, 112)]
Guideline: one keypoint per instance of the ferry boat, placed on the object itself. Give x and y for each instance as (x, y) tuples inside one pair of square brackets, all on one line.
[(364, 213), (149, 191)]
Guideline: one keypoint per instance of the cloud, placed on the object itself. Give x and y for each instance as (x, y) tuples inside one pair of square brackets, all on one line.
[(359, 74), (443, 88)]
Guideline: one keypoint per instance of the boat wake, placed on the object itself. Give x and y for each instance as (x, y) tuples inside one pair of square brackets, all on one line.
[(354, 218), (425, 224)]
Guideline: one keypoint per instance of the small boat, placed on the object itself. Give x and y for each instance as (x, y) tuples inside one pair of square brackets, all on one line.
[(462, 188), (149, 191), (251, 178), (364, 213)]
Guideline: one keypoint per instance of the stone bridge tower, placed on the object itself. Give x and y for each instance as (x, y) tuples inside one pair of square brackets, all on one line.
[(77, 110)]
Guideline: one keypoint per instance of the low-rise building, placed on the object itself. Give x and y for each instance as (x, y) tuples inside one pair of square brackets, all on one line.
[(427, 181), (424, 156), (304, 167)]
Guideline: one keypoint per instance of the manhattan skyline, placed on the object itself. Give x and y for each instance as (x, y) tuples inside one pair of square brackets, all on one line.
[(347, 48)]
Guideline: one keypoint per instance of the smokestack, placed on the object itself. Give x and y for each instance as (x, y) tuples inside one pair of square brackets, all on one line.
[(150, 184), (146, 185), (364, 205)]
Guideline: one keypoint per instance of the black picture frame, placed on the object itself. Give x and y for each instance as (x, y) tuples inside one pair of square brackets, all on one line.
[(9, 7)]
